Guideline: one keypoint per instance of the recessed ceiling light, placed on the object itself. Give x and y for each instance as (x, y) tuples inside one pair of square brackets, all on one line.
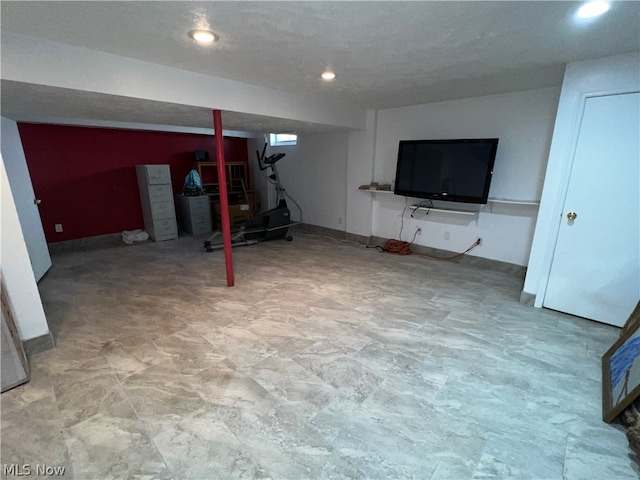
[(203, 37), (593, 9), (328, 75)]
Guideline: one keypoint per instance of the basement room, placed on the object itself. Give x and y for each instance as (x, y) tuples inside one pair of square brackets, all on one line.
[(320, 240)]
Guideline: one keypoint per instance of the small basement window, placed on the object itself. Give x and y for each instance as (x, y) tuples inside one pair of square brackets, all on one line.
[(277, 139)]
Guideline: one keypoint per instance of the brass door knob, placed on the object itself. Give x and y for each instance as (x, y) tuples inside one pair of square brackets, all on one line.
[(37, 201), (572, 215)]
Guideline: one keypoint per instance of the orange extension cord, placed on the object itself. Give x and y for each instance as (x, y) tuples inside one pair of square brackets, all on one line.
[(397, 246), (404, 248)]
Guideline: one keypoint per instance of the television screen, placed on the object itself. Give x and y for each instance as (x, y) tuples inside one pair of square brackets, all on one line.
[(452, 170)]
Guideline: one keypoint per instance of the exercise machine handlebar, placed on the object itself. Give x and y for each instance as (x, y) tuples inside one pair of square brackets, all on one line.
[(265, 163)]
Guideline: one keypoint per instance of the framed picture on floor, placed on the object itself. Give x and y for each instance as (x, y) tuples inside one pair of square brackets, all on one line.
[(621, 374)]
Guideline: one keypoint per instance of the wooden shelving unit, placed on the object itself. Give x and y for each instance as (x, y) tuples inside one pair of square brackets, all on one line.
[(238, 190), (237, 177)]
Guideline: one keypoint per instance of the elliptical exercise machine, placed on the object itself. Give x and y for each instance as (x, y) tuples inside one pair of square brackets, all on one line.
[(270, 225)]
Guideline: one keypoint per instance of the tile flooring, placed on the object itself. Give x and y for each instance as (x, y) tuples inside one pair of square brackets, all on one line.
[(326, 360)]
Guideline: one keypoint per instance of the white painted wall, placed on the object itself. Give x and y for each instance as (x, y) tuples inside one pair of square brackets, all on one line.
[(610, 75), (523, 121), (314, 173), (16, 268), (361, 153)]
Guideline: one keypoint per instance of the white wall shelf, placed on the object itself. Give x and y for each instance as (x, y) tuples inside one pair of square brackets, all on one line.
[(429, 209), (513, 201), (444, 210), (371, 190), (508, 201)]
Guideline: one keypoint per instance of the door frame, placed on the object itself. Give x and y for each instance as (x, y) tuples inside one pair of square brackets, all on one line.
[(601, 76), (563, 185), (634, 104)]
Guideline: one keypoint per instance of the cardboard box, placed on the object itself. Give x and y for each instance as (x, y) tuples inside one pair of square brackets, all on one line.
[(238, 215)]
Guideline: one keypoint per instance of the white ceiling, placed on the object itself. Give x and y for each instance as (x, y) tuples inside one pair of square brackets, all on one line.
[(386, 54)]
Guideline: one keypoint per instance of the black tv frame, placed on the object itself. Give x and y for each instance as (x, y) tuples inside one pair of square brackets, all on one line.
[(449, 197)]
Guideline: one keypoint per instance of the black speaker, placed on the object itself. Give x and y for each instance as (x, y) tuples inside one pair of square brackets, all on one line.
[(201, 155)]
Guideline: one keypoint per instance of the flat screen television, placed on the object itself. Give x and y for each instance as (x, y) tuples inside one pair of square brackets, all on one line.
[(451, 170)]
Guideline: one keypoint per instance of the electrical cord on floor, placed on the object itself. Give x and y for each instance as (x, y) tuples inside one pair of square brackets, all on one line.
[(404, 248), (336, 239), (397, 246), (452, 257)]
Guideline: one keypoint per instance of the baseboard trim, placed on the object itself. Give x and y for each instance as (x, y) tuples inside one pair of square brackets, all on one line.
[(115, 240), (485, 263), (98, 242), (528, 299), (327, 232), (38, 344)]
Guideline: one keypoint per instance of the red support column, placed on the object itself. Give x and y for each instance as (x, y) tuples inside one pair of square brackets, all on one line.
[(224, 200)]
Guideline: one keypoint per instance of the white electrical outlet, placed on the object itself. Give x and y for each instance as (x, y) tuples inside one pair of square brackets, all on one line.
[(58, 227), (447, 235), (339, 220)]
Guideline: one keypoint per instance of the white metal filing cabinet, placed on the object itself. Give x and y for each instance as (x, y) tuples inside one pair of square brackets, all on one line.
[(156, 197), (194, 214)]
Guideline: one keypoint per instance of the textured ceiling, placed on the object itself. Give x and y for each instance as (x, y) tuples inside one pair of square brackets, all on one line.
[(386, 54)]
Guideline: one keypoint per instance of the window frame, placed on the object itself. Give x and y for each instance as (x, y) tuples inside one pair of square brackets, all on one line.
[(287, 139)]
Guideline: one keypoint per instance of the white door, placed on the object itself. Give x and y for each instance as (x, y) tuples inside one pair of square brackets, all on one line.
[(595, 271), (20, 182)]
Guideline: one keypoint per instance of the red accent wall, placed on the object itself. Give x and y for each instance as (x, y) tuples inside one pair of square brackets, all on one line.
[(86, 176)]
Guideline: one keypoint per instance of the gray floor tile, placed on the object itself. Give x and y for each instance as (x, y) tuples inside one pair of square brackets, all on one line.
[(326, 360)]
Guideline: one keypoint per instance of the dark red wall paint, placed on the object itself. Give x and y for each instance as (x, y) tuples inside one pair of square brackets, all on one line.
[(86, 177)]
